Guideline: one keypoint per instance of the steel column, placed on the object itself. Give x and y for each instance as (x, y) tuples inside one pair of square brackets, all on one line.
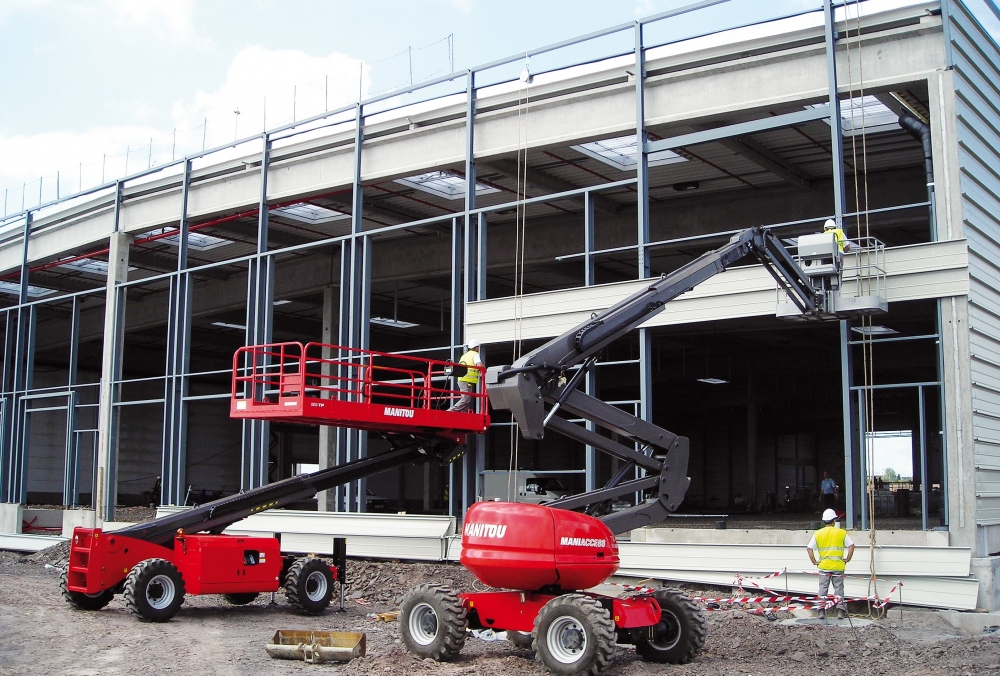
[(260, 314), (10, 450), (836, 132), (641, 157), (344, 338), (846, 383), (924, 501), (174, 460), (20, 471), (71, 480), (588, 238)]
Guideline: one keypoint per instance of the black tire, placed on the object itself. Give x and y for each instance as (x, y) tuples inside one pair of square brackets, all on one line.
[(432, 622), (574, 634), (309, 585), (154, 590), (520, 639), (680, 635), (241, 599), (84, 601)]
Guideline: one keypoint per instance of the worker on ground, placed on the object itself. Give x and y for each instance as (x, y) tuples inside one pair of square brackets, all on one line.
[(467, 383), (843, 244), (828, 491), (834, 548)]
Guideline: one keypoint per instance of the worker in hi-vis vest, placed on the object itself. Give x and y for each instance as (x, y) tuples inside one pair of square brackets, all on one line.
[(843, 243), (834, 548), (467, 382)]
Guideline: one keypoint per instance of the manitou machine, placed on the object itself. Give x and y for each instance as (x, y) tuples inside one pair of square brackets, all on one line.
[(541, 559)]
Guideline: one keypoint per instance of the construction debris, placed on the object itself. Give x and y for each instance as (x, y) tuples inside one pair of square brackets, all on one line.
[(316, 646)]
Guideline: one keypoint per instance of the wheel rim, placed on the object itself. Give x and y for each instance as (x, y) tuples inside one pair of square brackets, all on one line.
[(567, 639), (316, 586), (160, 592), (668, 631), (423, 624)]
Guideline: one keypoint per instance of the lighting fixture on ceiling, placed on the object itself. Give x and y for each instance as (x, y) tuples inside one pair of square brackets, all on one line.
[(196, 240), (394, 323), (281, 302), (713, 381), (225, 325), (313, 214), (874, 330), (443, 184), (686, 185), (865, 113), (14, 289), (620, 153)]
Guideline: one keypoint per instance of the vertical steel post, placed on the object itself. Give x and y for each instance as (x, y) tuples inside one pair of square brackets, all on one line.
[(836, 131), (343, 371), (25, 433), (588, 238), (174, 458), (924, 497), (846, 382), (863, 458), (641, 158), (361, 321), (459, 484), (12, 430), (481, 258), (260, 312), (71, 483)]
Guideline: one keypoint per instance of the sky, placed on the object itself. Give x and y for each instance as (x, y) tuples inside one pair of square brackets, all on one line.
[(82, 81)]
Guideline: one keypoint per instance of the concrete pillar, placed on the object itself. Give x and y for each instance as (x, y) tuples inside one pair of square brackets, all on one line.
[(958, 426), (326, 500), (106, 481)]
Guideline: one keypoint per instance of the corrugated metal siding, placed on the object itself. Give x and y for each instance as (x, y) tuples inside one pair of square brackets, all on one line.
[(975, 59)]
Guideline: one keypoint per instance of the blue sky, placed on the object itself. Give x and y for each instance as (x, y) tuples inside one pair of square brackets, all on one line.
[(80, 79)]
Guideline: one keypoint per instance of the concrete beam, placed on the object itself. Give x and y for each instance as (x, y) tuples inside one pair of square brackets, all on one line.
[(159, 263), (537, 177)]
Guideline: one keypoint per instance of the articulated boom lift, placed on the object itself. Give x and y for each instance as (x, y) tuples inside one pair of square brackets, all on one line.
[(547, 554)]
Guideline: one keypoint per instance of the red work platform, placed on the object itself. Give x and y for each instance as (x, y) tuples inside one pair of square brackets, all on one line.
[(321, 384)]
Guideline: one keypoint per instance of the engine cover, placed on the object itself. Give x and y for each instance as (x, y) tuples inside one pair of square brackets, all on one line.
[(530, 547)]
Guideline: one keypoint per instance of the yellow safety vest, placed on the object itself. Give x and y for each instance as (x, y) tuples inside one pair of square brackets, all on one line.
[(839, 237), (830, 542), (472, 373)]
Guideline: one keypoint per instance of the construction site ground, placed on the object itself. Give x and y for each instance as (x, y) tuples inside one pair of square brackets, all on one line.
[(41, 634)]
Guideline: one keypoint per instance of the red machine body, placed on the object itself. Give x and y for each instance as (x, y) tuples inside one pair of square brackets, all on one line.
[(540, 550), (531, 547), (209, 564)]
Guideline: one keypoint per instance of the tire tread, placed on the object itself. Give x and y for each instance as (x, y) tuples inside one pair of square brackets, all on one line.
[(601, 624)]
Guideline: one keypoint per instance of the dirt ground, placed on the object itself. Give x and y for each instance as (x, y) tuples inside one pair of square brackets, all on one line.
[(41, 634)]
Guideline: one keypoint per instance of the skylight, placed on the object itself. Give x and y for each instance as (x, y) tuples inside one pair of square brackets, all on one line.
[(196, 240), (620, 153), (313, 214), (92, 265), (869, 114), (874, 330), (14, 289), (394, 323), (443, 184)]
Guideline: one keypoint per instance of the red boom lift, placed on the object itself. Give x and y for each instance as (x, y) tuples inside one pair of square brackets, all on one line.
[(543, 556)]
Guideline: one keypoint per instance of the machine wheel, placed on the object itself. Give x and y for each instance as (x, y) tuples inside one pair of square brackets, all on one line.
[(81, 600), (432, 622), (309, 585), (574, 634), (154, 590), (520, 639), (241, 599), (680, 634)]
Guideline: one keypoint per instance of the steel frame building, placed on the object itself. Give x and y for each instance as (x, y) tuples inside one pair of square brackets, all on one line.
[(724, 87)]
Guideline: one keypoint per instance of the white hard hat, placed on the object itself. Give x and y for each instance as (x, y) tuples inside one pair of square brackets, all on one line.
[(829, 515), (830, 224), (472, 342)]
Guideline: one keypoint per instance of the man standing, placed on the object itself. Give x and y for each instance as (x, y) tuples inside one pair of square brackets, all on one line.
[(828, 491), (467, 383), (843, 244), (829, 544)]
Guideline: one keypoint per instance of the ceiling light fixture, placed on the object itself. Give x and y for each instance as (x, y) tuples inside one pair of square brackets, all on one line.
[(874, 330), (713, 381), (684, 186), (393, 323), (225, 325)]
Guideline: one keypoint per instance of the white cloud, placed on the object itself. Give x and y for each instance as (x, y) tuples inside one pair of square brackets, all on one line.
[(170, 19)]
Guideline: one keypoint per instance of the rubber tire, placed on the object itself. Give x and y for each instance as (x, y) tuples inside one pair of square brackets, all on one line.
[(677, 609), (135, 590), (295, 585), (83, 601), (452, 622), (241, 599), (597, 624), (520, 639)]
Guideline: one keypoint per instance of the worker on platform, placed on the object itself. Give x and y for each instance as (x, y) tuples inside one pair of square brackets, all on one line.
[(468, 382), (843, 244), (834, 548), (828, 491)]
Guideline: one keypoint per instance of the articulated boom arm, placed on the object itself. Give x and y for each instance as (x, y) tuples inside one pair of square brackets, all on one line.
[(540, 376)]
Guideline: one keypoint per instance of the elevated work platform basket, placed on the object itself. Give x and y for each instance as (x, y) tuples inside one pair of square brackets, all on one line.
[(322, 384)]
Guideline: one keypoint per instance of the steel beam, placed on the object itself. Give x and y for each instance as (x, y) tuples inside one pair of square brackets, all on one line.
[(836, 132), (641, 156), (741, 129)]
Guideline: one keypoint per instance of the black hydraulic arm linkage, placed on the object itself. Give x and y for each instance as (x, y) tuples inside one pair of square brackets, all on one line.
[(217, 515), (540, 376)]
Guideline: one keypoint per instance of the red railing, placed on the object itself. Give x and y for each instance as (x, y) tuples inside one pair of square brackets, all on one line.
[(283, 374)]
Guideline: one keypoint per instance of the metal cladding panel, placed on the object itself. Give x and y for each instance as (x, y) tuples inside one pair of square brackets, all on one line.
[(932, 270), (976, 64)]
